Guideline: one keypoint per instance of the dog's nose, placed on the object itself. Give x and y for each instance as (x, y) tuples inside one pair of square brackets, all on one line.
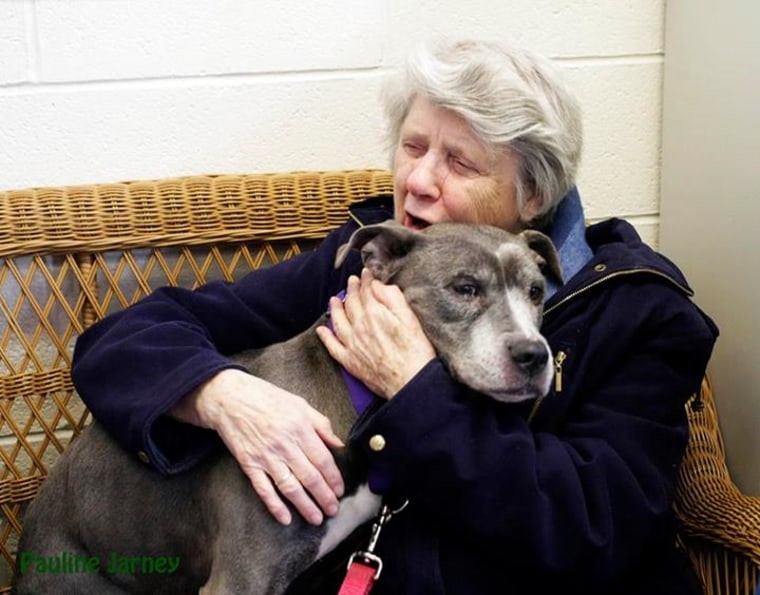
[(529, 355)]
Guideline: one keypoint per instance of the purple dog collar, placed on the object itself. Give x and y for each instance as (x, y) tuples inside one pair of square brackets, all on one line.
[(361, 396)]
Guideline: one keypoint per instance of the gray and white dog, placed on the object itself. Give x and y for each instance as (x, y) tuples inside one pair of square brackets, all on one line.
[(105, 523)]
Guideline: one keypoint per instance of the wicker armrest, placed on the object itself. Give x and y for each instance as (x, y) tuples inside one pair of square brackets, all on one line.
[(721, 525)]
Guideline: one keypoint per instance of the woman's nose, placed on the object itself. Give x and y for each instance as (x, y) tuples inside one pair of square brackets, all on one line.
[(426, 176)]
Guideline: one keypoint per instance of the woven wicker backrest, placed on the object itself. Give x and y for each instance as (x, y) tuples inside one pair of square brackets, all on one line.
[(69, 256)]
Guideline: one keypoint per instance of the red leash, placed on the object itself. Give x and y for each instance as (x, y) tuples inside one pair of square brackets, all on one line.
[(364, 566), (360, 578)]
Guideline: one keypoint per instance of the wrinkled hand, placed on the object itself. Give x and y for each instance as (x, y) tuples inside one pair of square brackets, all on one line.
[(278, 439), (376, 336)]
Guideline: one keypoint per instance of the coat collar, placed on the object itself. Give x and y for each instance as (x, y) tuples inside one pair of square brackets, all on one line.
[(618, 252), (568, 234)]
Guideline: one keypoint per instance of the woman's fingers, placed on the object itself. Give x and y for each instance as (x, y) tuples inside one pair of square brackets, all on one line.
[(316, 448), (265, 489), (280, 442), (376, 335)]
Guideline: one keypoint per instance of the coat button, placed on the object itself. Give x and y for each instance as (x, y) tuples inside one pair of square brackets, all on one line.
[(143, 456), (377, 443), (600, 268)]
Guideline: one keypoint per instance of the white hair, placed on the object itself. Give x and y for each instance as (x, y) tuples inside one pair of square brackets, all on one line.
[(512, 100)]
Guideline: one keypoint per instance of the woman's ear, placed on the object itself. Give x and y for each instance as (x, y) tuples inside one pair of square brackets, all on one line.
[(532, 208)]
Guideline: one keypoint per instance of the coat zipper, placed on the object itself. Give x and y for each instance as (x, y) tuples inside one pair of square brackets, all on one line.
[(559, 359), (593, 284)]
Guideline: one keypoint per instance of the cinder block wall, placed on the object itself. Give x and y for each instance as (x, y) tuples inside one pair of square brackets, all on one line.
[(107, 90)]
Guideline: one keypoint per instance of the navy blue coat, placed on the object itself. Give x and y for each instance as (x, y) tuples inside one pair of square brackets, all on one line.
[(576, 500)]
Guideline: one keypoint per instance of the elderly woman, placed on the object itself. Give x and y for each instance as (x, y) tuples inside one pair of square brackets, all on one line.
[(573, 495)]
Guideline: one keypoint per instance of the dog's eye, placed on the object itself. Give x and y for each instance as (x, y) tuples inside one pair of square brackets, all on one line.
[(536, 293), (467, 290)]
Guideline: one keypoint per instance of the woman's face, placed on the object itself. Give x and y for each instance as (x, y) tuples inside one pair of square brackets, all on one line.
[(442, 172)]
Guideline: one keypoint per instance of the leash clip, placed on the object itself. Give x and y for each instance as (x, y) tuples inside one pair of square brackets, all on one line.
[(361, 562), (368, 559)]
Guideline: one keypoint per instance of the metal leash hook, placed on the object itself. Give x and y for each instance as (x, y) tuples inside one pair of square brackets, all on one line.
[(358, 580)]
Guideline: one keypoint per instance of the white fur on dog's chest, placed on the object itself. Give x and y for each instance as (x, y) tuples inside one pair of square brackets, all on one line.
[(355, 510)]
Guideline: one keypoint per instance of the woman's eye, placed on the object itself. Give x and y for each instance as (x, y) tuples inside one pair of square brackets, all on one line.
[(464, 167), (413, 149)]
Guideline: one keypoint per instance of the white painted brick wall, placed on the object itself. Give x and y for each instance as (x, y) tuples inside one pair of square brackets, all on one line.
[(105, 90)]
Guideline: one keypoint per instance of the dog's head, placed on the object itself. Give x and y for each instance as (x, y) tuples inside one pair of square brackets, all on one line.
[(478, 292)]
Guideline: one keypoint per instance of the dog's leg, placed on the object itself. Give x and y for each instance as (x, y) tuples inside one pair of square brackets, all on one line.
[(51, 559), (251, 552)]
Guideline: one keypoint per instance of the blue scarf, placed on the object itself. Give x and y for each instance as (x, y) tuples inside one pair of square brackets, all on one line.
[(568, 233)]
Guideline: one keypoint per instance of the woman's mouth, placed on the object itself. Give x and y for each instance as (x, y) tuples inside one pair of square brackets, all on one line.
[(413, 222)]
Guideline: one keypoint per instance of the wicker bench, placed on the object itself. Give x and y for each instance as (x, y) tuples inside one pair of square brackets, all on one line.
[(70, 255)]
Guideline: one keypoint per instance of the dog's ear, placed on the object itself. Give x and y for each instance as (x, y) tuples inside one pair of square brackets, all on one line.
[(383, 246), (546, 253)]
